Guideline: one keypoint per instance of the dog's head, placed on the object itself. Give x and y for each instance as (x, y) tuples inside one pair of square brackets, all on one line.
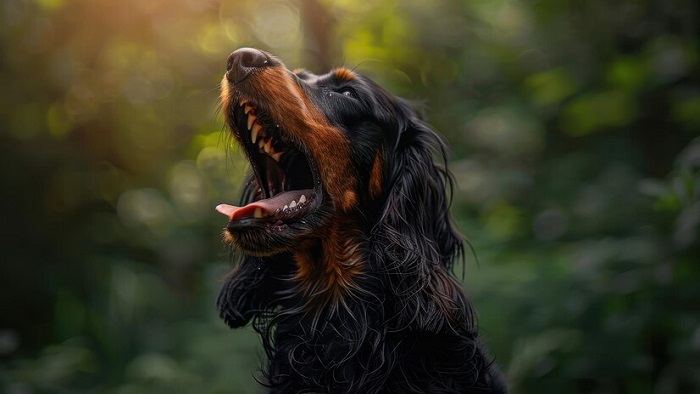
[(324, 147), (317, 146)]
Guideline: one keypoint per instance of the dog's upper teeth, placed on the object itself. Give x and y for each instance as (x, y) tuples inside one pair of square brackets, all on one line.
[(254, 132), (258, 135), (243, 101), (251, 119)]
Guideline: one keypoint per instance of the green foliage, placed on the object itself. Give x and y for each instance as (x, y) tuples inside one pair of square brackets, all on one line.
[(574, 130)]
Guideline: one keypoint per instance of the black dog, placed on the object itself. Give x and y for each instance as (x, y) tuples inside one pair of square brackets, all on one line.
[(347, 240)]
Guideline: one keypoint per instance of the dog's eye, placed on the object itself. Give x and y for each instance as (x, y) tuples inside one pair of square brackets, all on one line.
[(348, 93)]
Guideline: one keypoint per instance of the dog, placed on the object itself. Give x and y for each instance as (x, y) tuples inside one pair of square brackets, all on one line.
[(346, 237)]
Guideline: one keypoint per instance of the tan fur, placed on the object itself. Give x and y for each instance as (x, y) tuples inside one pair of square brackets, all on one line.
[(327, 145), (376, 177), (344, 74), (341, 261), (330, 150)]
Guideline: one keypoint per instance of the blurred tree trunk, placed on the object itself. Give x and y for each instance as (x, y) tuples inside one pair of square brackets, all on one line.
[(319, 35)]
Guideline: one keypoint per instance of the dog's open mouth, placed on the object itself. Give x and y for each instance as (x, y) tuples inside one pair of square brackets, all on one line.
[(288, 178)]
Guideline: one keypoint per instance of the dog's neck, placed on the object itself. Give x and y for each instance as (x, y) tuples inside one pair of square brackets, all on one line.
[(331, 262)]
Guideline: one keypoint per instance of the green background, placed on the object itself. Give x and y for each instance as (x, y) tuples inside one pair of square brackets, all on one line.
[(572, 124)]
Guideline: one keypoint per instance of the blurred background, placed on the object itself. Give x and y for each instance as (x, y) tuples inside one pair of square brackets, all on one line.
[(573, 127)]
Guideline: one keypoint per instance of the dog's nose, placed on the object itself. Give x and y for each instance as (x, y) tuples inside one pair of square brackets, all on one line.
[(243, 61)]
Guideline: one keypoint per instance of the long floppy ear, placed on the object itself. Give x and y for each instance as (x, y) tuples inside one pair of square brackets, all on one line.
[(415, 233)]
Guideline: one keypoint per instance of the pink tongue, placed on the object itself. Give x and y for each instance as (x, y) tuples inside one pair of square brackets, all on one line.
[(267, 207)]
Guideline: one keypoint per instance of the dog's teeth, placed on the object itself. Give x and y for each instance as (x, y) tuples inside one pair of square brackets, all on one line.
[(243, 101), (254, 132), (286, 208), (247, 109), (251, 119), (258, 213), (267, 147), (292, 204), (302, 199), (276, 156)]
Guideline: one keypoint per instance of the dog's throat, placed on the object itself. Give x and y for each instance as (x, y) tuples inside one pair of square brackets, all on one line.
[(267, 207)]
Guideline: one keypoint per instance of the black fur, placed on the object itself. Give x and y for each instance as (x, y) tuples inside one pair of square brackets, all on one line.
[(403, 325)]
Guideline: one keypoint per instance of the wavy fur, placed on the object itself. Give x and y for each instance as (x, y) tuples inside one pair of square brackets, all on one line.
[(377, 309)]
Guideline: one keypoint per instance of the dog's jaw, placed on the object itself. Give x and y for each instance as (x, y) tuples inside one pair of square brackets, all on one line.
[(300, 162)]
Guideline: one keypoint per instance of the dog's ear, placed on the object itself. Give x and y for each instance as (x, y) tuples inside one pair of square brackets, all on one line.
[(420, 190), (415, 230)]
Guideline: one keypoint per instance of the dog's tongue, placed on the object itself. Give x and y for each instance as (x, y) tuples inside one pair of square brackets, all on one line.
[(265, 207)]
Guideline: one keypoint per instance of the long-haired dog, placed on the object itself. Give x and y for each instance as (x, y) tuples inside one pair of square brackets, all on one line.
[(347, 240)]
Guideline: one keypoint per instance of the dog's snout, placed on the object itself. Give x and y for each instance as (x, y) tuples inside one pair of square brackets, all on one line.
[(243, 61)]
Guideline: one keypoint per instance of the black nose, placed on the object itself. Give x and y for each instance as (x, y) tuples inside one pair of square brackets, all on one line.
[(243, 61)]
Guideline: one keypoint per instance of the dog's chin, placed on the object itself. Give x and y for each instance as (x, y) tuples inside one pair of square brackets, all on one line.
[(265, 237), (259, 245)]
